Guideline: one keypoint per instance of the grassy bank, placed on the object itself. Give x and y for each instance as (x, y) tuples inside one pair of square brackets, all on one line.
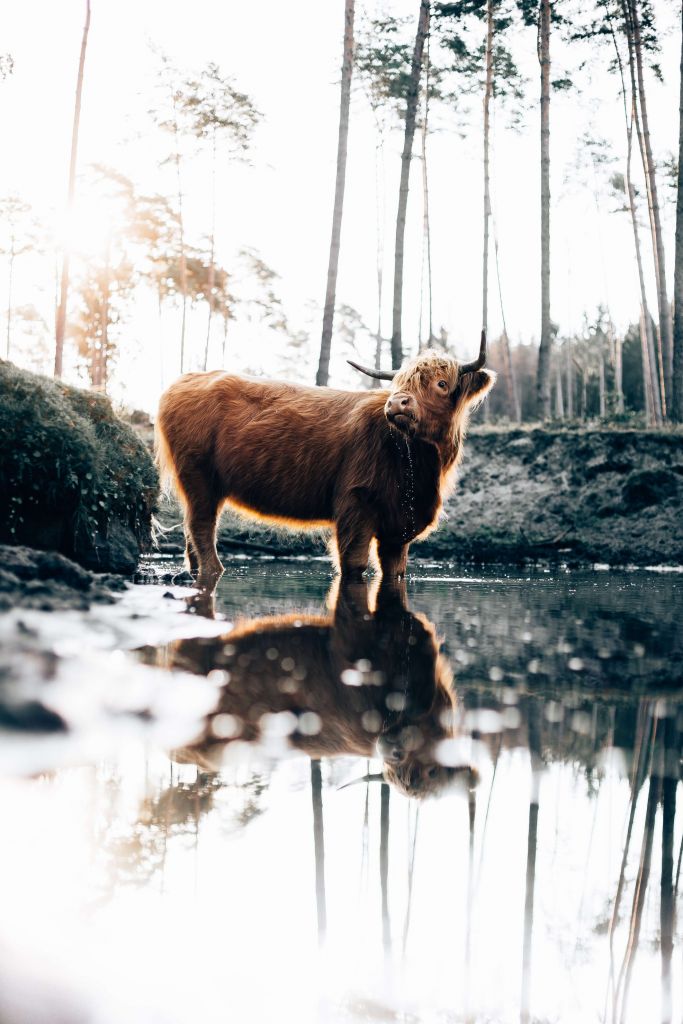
[(74, 478)]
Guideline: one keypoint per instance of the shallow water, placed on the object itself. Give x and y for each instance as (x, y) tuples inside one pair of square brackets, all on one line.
[(520, 863)]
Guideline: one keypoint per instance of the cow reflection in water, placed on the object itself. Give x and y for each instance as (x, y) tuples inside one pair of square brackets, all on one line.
[(356, 682)]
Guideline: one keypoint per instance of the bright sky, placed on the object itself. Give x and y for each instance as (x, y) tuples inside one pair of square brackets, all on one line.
[(287, 58)]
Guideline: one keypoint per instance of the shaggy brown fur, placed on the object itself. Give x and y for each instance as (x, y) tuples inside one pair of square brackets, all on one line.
[(377, 682), (376, 465)]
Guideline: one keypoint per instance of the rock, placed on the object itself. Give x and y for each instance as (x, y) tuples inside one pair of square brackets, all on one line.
[(28, 564), (48, 581), (117, 551), (648, 487), (74, 477)]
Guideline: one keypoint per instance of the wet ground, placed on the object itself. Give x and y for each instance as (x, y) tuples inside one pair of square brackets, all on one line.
[(180, 842)]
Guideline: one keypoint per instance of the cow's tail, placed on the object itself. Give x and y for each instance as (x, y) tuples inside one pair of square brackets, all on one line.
[(168, 476)]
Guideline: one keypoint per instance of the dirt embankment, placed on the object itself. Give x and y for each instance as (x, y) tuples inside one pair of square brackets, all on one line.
[(613, 496), (609, 496)]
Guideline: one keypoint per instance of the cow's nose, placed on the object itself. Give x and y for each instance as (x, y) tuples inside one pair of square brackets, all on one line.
[(399, 403)]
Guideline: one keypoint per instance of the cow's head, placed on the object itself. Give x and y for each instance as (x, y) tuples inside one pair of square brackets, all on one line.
[(429, 395)]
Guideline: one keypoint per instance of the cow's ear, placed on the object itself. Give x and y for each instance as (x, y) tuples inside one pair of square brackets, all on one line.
[(479, 384)]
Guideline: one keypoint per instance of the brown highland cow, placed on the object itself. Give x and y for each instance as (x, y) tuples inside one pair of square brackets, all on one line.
[(376, 465)]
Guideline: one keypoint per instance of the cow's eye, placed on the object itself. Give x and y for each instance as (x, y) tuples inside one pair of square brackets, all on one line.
[(443, 385)]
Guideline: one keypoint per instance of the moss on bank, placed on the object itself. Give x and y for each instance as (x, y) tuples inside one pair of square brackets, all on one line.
[(74, 477)]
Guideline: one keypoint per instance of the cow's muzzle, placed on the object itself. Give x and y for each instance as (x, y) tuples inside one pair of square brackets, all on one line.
[(401, 412)]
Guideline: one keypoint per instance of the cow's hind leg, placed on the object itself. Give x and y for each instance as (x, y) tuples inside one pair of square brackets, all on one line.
[(201, 517)]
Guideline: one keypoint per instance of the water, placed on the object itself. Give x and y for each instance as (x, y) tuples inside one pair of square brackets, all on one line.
[(516, 860)]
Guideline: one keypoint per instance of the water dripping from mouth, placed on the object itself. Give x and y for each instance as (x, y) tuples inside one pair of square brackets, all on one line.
[(408, 490)]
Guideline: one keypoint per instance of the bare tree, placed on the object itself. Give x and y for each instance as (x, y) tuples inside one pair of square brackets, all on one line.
[(20, 239), (322, 375), (677, 375), (60, 326), (545, 347), (653, 406), (212, 109), (632, 18), (488, 92), (412, 97), (426, 231)]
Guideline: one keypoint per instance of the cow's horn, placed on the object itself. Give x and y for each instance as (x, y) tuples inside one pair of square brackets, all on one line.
[(377, 374), (479, 361), (371, 777)]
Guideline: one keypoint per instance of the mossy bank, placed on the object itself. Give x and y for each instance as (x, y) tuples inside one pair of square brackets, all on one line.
[(577, 496), (74, 478)]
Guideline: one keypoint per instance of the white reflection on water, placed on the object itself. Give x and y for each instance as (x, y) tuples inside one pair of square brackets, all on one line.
[(149, 890), (162, 896)]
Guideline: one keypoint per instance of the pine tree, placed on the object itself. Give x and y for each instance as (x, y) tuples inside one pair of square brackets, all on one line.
[(60, 325), (322, 375)]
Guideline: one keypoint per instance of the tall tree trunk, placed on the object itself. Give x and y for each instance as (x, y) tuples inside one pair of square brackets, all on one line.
[(677, 378), (513, 396), (411, 112), (211, 298), (182, 257), (487, 183), (323, 373), (104, 350), (619, 373), (601, 386), (427, 252), (665, 332), (515, 410), (653, 409), (225, 340), (60, 326), (10, 275), (426, 231), (544, 351), (160, 318), (645, 346), (570, 382), (584, 393), (653, 406), (381, 218), (559, 397)]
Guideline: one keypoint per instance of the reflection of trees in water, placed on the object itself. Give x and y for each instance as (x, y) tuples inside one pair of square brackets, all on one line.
[(567, 673), (624, 630), (137, 854)]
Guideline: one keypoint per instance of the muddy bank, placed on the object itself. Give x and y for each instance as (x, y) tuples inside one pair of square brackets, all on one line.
[(580, 496), (47, 581)]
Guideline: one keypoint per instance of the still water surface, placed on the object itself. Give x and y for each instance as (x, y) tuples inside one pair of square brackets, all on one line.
[(510, 850)]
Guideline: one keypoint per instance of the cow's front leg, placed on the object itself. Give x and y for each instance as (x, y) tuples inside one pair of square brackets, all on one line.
[(354, 534), (393, 559)]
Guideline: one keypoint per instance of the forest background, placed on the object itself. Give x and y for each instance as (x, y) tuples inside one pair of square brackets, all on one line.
[(198, 229)]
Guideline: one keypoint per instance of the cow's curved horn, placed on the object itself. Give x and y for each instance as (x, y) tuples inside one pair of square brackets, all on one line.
[(377, 374), (479, 361), (371, 777)]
